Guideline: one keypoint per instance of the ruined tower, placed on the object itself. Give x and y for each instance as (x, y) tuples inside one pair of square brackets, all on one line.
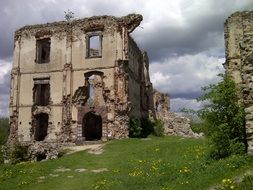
[(79, 80), (239, 62)]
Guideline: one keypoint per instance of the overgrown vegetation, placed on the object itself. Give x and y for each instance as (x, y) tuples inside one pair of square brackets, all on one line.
[(157, 163), (224, 118), (4, 132), (246, 184), (134, 127), (158, 128), (197, 125), (18, 153), (141, 128)]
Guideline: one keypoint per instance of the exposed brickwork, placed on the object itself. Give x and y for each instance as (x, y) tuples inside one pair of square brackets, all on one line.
[(76, 91), (239, 62)]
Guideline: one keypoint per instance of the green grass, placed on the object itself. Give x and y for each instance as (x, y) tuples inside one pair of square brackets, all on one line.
[(246, 184), (157, 164)]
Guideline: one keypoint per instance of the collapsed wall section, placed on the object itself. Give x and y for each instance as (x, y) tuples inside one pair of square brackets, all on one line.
[(173, 124)]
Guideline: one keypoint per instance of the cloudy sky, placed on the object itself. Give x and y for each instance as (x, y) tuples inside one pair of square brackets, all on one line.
[(183, 38)]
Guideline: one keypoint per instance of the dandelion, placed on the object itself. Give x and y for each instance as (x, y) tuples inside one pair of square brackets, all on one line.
[(135, 173), (228, 184), (185, 170), (115, 171)]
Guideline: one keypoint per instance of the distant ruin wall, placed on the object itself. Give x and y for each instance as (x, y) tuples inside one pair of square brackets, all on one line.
[(238, 31), (173, 123)]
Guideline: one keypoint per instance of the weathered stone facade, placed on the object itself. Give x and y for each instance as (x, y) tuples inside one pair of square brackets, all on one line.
[(239, 62), (79, 80)]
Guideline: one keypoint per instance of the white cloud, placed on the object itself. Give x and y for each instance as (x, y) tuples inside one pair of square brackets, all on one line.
[(184, 38), (184, 76), (177, 104), (159, 78), (5, 67)]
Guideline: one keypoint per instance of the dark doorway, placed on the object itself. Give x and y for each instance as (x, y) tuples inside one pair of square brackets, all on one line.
[(92, 126), (41, 125)]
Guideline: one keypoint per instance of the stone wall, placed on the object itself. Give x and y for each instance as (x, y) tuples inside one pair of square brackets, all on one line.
[(173, 123), (74, 89), (70, 62), (239, 62)]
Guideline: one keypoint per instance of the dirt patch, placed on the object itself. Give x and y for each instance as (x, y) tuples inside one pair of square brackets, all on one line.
[(92, 149), (100, 170), (53, 175), (80, 170), (62, 169)]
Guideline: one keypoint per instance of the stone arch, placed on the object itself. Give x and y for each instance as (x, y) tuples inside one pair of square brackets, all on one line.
[(90, 73), (40, 126), (92, 126), (88, 106)]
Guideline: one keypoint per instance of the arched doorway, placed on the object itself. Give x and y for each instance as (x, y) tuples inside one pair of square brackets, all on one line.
[(41, 126), (92, 126)]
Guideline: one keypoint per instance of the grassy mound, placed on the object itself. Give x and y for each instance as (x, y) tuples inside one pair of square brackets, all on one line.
[(156, 163)]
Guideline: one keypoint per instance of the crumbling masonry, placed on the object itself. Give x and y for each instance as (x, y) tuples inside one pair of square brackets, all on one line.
[(239, 62), (80, 80)]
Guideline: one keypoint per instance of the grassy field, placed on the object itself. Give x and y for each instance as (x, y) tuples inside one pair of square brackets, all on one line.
[(157, 163)]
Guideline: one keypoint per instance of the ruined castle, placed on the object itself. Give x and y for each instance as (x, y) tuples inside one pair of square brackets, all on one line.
[(239, 62), (81, 80), (78, 80)]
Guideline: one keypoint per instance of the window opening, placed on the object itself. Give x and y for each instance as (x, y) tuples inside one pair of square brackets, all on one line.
[(43, 50), (41, 92), (91, 90), (94, 46)]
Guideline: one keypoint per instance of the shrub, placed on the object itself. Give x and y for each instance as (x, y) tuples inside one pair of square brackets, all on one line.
[(4, 130), (198, 127), (1, 157), (159, 128), (141, 128), (224, 119), (134, 127), (18, 153), (147, 126)]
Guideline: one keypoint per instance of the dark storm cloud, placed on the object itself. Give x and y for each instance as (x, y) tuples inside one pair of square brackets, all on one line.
[(201, 30), (163, 38), (182, 28), (15, 14)]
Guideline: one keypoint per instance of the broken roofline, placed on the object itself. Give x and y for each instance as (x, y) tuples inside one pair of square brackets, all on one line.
[(130, 21)]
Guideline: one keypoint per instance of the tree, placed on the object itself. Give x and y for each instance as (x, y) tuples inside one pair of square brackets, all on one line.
[(224, 118), (69, 15)]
